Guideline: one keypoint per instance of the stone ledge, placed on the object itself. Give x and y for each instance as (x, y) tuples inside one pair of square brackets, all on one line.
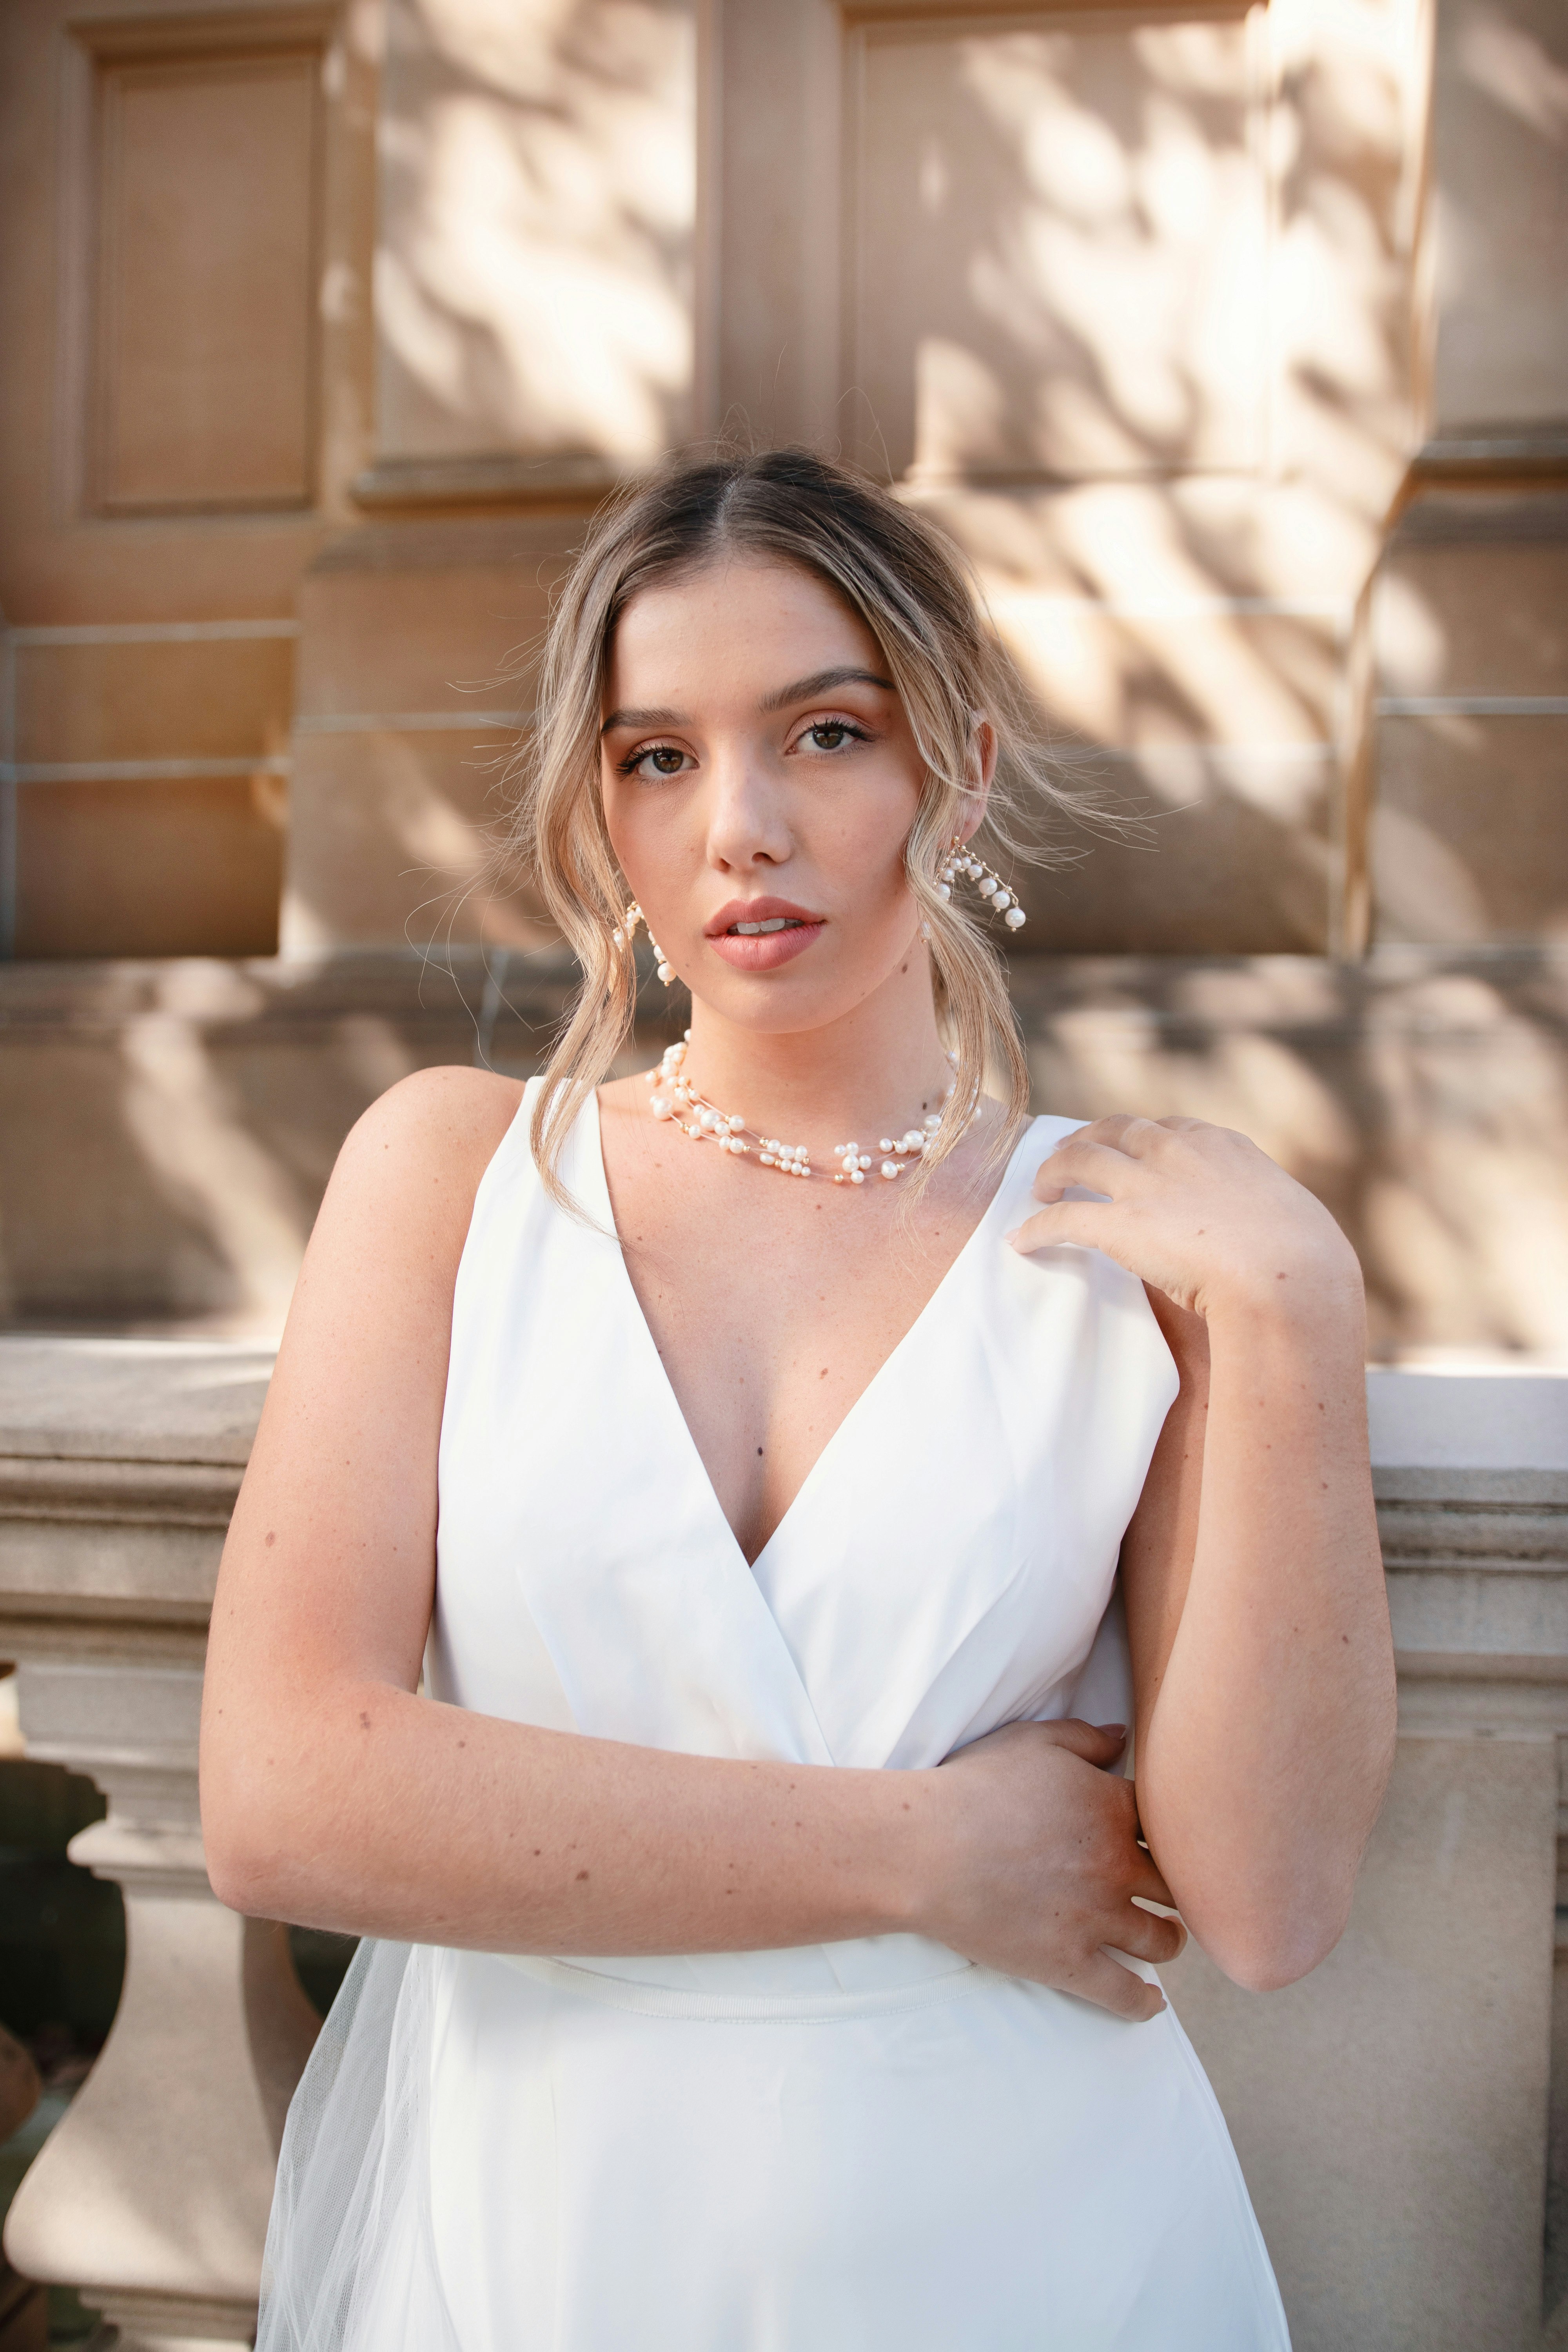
[(128, 1493), (189, 1407)]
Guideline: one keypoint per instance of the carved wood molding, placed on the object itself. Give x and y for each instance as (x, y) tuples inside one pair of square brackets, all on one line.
[(203, 30)]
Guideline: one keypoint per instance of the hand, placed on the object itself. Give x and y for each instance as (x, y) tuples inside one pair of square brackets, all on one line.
[(1036, 1861), (1197, 1212)]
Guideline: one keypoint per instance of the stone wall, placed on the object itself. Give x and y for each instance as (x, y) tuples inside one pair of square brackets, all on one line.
[(195, 1107)]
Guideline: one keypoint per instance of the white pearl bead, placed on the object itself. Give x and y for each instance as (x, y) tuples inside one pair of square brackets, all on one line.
[(1014, 919), (736, 1123), (932, 1122), (666, 973), (659, 1106), (942, 891), (886, 1144), (767, 1160), (617, 939), (857, 1178), (889, 1167)]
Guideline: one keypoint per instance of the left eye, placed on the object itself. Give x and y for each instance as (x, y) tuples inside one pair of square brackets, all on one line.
[(829, 734)]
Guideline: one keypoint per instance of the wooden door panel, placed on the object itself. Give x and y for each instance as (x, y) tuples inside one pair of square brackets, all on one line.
[(203, 375)]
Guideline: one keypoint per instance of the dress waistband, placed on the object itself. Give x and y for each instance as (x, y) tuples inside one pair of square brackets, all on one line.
[(824, 2007)]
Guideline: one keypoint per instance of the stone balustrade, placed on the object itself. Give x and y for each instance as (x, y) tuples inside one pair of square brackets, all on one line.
[(119, 1465), (1402, 2114)]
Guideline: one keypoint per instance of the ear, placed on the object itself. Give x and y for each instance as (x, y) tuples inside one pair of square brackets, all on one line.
[(983, 749)]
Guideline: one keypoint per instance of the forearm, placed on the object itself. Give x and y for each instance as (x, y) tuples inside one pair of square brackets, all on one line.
[(1264, 1756), (376, 1812)]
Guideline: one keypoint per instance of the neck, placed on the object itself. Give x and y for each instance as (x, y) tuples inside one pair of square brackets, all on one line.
[(872, 1071)]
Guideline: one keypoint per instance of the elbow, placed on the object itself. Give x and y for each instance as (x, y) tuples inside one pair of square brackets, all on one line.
[(238, 1860), (236, 1881), (244, 1843), (1265, 1955)]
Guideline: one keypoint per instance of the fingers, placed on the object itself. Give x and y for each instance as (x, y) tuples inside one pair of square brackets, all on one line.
[(1149, 1936), (1129, 1132), (1079, 1159), (1110, 1986), (1082, 1221), (1097, 1743), (1148, 1884)]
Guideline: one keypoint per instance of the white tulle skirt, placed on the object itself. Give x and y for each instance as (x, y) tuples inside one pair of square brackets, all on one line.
[(490, 2155), (350, 2233)]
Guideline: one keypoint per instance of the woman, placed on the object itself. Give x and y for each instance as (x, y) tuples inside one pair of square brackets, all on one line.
[(759, 1942)]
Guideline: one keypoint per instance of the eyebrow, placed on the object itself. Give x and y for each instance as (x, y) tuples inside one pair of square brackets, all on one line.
[(643, 719), (803, 689), (823, 681)]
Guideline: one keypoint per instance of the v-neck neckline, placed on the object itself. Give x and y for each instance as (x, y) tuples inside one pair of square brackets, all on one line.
[(595, 1158)]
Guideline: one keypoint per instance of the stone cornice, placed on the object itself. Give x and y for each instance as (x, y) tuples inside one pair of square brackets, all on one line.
[(126, 1492)]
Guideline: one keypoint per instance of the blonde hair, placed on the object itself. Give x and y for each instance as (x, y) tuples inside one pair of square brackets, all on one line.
[(904, 581)]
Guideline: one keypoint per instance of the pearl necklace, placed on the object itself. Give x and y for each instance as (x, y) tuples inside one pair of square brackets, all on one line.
[(706, 1123)]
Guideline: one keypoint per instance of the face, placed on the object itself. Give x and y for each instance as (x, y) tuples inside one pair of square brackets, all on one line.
[(760, 780)]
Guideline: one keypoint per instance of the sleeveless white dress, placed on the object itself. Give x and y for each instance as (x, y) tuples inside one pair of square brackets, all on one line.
[(858, 2146)]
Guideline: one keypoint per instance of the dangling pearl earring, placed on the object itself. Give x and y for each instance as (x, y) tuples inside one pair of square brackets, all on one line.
[(961, 860), (623, 938)]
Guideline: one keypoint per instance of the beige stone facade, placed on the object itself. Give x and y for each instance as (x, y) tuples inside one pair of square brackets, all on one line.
[(1228, 342)]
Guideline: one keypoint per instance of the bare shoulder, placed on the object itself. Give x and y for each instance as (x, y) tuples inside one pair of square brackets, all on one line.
[(407, 1173), (450, 1114)]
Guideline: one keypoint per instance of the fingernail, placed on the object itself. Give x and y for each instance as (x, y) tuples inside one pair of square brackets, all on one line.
[(1119, 1729), (1013, 1236)]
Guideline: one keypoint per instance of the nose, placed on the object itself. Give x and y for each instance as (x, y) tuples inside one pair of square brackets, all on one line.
[(747, 820)]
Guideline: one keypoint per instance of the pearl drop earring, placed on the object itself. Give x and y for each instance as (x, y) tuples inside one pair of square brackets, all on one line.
[(961, 860), (623, 938)]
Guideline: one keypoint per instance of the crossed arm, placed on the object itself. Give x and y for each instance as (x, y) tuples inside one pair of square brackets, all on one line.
[(1262, 1656), (333, 1796)]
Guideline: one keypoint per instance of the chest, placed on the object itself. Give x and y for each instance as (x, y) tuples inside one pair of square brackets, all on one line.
[(950, 1521), (772, 1304)]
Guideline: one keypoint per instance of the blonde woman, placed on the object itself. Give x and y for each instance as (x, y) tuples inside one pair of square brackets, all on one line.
[(758, 1934)]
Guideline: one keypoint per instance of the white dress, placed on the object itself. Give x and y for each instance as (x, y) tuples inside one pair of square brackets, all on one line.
[(859, 2147)]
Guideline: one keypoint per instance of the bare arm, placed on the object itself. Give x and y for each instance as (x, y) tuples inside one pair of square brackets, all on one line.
[(1262, 1656), (333, 1796)]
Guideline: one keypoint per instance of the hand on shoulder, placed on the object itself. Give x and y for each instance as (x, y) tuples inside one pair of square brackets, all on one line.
[(1198, 1213)]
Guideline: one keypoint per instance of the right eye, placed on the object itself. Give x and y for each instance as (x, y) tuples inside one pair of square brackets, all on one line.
[(655, 760)]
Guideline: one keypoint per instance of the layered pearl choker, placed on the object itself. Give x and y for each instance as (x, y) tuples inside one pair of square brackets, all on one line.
[(674, 1099)]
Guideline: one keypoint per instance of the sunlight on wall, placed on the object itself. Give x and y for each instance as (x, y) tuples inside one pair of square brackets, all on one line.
[(197, 1148), (1147, 356), (533, 275)]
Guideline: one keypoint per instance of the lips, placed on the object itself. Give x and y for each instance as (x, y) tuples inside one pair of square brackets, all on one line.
[(761, 934)]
